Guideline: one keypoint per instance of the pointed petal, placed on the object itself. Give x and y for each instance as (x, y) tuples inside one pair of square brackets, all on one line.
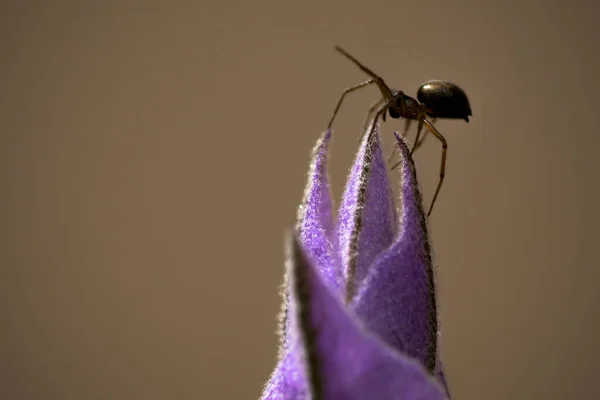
[(315, 216), (439, 366), (398, 300), (439, 372), (342, 361), (288, 381), (315, 226), (367, 215)]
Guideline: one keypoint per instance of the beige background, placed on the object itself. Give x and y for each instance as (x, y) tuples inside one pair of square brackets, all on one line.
[(153, 153)]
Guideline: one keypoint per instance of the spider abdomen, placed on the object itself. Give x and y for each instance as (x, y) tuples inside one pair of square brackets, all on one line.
[(444, 100)]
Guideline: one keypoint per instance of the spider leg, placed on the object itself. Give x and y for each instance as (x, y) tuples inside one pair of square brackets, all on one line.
[(420, 142), (441, 138), (348, 90), (407, 123), (385, 90), (380, 112), (420, 117), (372, 109)]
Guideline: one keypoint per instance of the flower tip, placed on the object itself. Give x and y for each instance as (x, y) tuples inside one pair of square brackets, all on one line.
[(401, 141), (321, 148), (323, 140)]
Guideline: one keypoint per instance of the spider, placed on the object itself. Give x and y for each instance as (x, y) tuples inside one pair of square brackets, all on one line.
[(436, 99)]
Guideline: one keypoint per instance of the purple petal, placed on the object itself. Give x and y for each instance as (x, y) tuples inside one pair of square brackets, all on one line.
[(367, 215), (288, 381), (315, 227), (315, 216), (439, 369), (342, 362), (439, 366), (398, 300)]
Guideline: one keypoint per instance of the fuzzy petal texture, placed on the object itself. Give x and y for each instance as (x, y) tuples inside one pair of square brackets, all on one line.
[(288, 381), (316, 229), (439, 367), (341, 361), (380, 342), (315, 216), (367, 215), (397, 300)]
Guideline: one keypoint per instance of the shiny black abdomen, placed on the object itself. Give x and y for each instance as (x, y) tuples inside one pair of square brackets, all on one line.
[(444, 100)]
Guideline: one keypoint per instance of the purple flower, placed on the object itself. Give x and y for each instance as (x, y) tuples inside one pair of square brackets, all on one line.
[(359, 318)]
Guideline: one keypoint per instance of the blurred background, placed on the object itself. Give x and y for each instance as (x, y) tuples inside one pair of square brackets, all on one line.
[(153, 154)]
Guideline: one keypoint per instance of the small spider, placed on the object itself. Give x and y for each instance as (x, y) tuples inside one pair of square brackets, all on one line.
[(436, 99)]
